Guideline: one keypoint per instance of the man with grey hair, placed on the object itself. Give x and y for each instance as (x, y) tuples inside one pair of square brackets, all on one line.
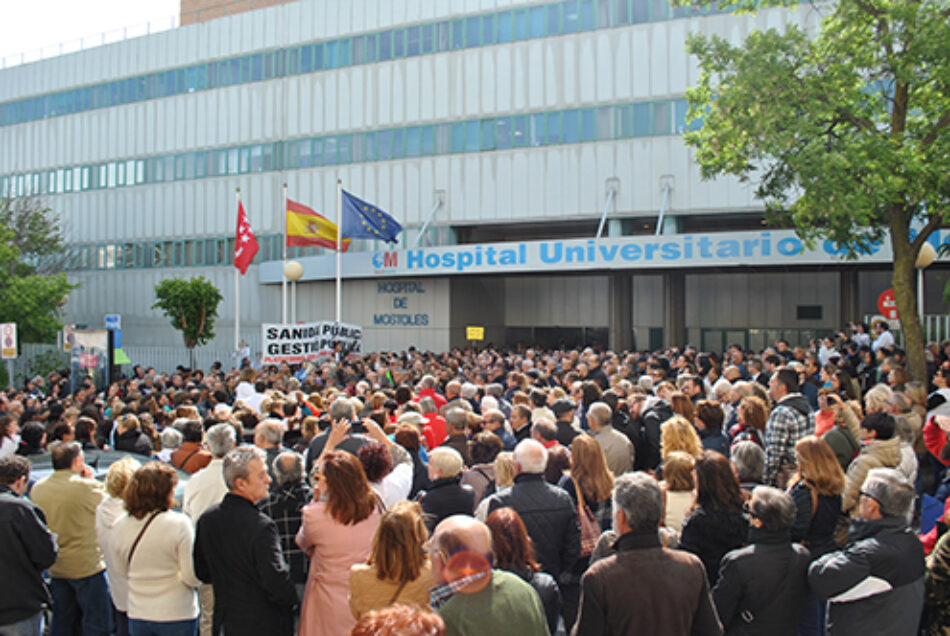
[(456, 419), (617, 447), (876, 584), (268, 436), (547, 511), (284, 505), (644, 588), (237, 550), (204, 489), (762, 587), (340, 409)]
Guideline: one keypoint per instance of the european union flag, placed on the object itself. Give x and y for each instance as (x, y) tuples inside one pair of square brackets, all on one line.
[(364, 220)]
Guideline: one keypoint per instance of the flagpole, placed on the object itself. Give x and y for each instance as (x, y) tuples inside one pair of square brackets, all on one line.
[(283, 277), (237, 296), (339, 242)]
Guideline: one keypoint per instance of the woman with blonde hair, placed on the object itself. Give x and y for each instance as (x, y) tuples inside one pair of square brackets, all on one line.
[(679, 488), (108, 513), (678, 434), (816, 489), (504, 478), (875, 400), (589, 483), (398, 569)]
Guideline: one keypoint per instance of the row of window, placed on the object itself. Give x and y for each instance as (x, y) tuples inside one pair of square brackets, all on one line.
[(202, 252), (172, 253), (575, 125), (545, 20)]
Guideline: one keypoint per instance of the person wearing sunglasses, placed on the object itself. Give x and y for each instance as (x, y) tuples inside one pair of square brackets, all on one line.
[(876, 584)]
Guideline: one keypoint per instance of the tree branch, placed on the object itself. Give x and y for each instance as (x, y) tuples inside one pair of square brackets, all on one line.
[(931, 136), (926, 231)]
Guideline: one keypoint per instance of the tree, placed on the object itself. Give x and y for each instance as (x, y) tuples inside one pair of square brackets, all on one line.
[(191, 306), (31, 249), (844, 129)]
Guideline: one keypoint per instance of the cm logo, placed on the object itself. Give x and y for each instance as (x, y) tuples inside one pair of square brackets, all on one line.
[(385, 260)]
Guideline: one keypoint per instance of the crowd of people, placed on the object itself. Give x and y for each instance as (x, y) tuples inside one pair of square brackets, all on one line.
[(521, 491)]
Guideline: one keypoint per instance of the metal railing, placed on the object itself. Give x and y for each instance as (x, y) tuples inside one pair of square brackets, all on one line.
[(150, 27)]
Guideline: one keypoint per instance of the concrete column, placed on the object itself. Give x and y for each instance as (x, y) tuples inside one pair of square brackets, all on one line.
[(674, 314), (849, 301), (620, 311)]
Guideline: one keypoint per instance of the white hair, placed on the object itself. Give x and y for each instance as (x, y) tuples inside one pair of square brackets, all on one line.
[(531, 456)]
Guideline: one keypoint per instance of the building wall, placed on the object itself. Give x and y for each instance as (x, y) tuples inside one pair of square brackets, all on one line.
[(605, 68)]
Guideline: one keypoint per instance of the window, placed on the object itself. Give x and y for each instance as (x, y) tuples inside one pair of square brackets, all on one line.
[(399, 43), (413, 37)]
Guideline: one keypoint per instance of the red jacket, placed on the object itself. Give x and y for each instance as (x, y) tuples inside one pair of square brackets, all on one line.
[(434, 430), (935, 439), (438, 399)]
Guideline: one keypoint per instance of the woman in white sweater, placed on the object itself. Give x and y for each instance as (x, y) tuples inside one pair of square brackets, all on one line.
[(152, 548), (108, 514)]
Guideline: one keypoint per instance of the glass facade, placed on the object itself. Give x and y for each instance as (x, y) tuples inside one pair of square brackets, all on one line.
[(526, 23), (575, 125)]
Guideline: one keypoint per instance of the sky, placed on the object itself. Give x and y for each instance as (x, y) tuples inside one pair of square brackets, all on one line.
[(29, 25)]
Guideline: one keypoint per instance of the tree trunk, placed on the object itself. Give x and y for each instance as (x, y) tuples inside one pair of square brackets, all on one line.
[(905, 295), (191, 358)]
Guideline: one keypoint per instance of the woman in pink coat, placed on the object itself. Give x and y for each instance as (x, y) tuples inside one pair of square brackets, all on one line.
[(336, 532)]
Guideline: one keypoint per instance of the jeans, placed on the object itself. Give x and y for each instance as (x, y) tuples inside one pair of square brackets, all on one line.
[(32, 626), (163, 628), (82, 605), (811, 621)]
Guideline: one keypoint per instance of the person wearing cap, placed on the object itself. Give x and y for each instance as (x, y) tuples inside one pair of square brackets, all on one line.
[(564, 420), (473, 598)]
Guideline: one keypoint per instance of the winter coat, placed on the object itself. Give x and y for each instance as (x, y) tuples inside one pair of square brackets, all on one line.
[(444, 498), (762, 586), (876, 584), (709, 534), (654, 412), (814, 525), (644, 588), (883, 454), (133, 441), (546, 587), (550, 517)]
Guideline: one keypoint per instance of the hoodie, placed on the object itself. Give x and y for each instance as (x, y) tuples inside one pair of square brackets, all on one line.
[(875, 454)]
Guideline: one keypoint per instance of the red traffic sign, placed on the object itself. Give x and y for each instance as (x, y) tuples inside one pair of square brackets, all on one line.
[(887, 305)]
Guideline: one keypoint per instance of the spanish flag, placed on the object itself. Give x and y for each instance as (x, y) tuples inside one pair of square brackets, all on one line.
[(306, 228)]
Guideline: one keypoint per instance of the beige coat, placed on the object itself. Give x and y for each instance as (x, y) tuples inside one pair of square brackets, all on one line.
[(368, 592), (883, 454)]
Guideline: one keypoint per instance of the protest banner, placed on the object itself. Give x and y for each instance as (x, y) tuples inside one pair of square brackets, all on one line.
[(308, 342)]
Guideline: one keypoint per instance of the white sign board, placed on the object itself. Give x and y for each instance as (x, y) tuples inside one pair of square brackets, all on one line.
[(307, 342), (8, 340)]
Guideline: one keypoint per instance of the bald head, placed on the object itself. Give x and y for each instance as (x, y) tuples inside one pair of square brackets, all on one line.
[(460, 533)]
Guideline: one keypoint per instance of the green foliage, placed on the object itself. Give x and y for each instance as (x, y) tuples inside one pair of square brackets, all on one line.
[(844, 128), (191, 306), (42, 363), (30, 293)]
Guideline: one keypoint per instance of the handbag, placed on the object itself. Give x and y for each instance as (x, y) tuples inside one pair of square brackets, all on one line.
[(590, 529)]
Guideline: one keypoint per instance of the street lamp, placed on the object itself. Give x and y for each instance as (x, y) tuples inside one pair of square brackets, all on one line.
[(925, 257), (293, 270)]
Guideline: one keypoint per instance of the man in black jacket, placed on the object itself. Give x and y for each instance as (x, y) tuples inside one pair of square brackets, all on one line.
[(876, 584), (547, 511), (647, 413), (237, 550), (446, 496), (26, 549), (762, 586)]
